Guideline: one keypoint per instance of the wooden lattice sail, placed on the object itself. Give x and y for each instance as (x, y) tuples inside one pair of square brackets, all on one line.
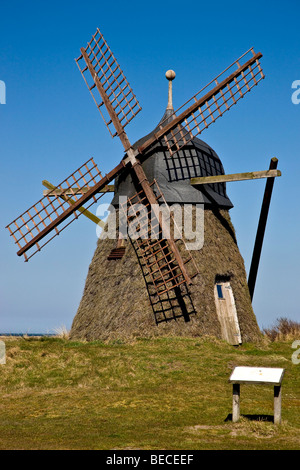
[(210, 103), (102, 74), (55, 211)]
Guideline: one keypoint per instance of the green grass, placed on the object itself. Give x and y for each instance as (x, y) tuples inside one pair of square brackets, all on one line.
[(151, 394)]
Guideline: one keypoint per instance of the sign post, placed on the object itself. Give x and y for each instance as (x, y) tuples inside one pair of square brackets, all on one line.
[(256, 375)]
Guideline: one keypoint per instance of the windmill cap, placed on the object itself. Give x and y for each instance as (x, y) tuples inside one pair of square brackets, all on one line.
[(170, 74)]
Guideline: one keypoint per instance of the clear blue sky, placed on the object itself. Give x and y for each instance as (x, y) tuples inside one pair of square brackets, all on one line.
[(50, 126)]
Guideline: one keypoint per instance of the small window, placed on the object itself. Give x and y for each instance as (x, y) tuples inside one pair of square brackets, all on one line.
[(220, 293)]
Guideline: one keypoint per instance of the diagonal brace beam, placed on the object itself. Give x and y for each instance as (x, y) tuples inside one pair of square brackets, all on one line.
[(84, 211), (261, 230)]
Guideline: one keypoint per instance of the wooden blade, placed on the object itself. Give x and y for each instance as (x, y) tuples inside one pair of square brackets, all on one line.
[(163, 266), (151, 199), (209, 104), (103, 74), (42, 220)]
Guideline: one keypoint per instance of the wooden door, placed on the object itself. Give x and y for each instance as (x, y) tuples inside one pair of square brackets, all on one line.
[(227, 314)]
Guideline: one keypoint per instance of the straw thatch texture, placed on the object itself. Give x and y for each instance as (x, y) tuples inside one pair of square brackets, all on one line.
[(115, 302)]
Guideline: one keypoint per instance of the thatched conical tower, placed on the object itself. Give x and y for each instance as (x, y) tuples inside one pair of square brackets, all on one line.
[(116, 302)]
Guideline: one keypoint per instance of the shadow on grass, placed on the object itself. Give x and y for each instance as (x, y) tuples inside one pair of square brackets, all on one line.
[(260, 417)]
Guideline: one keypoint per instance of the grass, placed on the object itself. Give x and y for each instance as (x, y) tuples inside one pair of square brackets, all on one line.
[(166, 393)]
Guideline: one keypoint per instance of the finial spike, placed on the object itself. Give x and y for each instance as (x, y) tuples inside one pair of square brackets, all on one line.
[(170, 75)]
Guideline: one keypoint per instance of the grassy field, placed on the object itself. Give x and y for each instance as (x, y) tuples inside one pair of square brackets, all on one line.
[(150, 394)]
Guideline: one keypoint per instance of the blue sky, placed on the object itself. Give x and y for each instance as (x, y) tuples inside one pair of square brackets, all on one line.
[(50, 126)]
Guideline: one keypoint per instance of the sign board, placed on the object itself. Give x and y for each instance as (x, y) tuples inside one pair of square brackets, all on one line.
[(256, 375)]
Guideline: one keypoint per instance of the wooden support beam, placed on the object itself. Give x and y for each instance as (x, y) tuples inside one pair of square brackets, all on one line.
[(235, 177), (68, 192), (84, 211), (261, 230)]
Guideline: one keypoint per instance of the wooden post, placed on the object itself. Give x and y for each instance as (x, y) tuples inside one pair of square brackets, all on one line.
[(277, 404), (235, 402), (261, 230)]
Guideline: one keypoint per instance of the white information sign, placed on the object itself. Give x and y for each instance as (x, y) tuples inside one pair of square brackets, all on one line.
[(270, 375)]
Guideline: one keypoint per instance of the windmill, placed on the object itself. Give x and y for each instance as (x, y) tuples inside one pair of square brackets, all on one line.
[(168, 268)]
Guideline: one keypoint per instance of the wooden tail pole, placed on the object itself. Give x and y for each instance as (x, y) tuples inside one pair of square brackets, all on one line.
[(261, 229)]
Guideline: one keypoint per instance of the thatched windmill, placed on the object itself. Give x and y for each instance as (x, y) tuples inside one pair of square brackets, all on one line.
[(146, 280)]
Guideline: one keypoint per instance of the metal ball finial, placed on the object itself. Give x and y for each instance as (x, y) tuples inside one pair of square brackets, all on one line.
[(170, 74)]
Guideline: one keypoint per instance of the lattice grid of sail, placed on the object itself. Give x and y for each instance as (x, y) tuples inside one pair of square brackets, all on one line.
[(101, 71), (35, 224), (161, 270), (213, 100)]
